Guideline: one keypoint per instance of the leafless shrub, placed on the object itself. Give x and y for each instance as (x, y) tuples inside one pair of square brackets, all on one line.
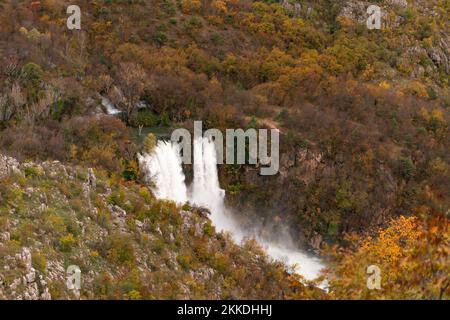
[(40, 109), (5, 109), (10, 66), (16, 95), (132, 80)]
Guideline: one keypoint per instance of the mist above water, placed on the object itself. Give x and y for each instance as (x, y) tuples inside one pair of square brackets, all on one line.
[(163, 170)]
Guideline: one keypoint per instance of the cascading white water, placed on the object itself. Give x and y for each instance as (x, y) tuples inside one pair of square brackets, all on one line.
[(301, 263), (163, 169), (205, 190), (110, 107)]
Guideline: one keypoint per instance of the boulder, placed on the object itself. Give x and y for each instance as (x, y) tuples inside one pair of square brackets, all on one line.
[(7, 166)]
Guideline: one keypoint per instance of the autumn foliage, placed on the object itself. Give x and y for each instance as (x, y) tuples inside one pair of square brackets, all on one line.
[(412, 254)]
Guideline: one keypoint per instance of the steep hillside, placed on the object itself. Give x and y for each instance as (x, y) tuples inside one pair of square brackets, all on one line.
[(363, 115), (127, 244)]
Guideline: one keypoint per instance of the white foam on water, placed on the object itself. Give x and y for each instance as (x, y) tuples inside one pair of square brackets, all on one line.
[(163, 169)]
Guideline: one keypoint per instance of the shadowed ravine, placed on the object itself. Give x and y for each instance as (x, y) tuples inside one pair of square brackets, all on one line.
[(163, 168)]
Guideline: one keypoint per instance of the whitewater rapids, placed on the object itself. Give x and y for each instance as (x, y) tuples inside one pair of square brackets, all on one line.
[(163, 171)]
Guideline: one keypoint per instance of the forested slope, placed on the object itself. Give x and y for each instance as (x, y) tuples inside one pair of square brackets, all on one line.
[(363, 114)]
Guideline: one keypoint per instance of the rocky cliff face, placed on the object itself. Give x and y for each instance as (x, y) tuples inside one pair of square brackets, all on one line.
[(7, 166), (29, 284), (310, 195)]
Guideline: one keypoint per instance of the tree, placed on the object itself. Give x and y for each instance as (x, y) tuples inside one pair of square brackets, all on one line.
[(17, 98), (150, 143), (190, 6), (132, 80), (41, 108), (411, 254)]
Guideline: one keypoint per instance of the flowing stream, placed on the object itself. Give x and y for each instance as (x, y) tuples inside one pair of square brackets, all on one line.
[(163, 168)]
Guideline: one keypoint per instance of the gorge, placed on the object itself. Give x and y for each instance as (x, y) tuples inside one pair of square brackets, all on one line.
[(164, 173)]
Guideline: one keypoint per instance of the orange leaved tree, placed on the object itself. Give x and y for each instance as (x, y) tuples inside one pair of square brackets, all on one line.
[(411, 255)]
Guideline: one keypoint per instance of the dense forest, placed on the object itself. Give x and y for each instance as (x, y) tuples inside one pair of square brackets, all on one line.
[(364, 121)]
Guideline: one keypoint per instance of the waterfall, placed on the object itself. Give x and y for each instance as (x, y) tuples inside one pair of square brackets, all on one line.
[(109, 106), (205, 190), (163, 170)]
